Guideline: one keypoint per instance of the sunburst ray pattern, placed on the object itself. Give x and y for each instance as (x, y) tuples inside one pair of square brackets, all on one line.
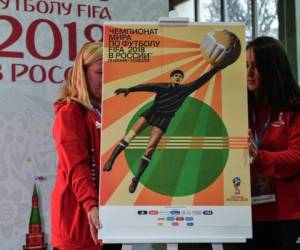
[(172, 53)]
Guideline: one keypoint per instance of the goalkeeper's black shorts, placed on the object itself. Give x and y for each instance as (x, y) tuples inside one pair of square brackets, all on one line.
[(156, 119)]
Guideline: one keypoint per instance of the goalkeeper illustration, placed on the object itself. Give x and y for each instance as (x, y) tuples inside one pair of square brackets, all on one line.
[(220, 48)]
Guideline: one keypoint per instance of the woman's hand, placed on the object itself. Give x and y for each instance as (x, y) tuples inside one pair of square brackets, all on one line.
[(252, 147), (94, 222)]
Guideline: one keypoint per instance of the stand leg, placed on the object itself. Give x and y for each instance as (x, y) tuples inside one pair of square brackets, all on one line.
[(126, 246), (217, 246), (172, 246)]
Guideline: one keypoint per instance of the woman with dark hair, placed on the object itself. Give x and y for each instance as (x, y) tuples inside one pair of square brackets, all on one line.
[(274, 146)]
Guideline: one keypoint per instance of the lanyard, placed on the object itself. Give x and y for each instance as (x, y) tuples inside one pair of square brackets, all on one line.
[(257, 137), (98, 111)]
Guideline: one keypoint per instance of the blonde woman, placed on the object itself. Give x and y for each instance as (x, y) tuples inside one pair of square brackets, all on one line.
[(76, 132)]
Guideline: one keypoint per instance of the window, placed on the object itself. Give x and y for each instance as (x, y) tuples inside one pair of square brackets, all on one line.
[(186, 9), (267, 18), (259, 16)]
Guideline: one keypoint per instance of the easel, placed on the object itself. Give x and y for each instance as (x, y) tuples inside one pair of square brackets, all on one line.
[(174, 246)]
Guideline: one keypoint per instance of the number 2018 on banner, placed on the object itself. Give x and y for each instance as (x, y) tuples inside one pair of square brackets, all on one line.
[(30, 41)]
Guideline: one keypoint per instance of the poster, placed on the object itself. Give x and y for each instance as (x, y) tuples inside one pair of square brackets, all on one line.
[(195, 187)]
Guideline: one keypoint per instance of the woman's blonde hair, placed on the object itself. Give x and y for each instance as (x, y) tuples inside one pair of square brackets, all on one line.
[(76, 86)]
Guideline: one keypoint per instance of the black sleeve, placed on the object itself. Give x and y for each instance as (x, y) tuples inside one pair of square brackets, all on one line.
[(202, 80), (151, 87)]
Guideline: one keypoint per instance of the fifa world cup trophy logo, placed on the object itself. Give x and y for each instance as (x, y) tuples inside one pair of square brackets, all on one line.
[(236, 183)]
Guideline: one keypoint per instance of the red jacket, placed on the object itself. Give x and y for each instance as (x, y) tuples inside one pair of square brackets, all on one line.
[(279, 158), (76, 132)]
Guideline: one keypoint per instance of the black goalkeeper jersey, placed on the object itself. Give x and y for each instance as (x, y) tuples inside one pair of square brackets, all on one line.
[(170, 96)]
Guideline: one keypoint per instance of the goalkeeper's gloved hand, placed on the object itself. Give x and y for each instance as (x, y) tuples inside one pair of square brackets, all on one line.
[(124, 91)]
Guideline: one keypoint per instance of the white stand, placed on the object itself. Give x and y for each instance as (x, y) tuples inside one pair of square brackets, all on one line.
[(217, 246), (126, 246), (174, 246)]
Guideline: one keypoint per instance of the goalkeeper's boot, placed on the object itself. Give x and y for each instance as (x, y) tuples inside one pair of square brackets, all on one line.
[(117, 150), (135, 180)]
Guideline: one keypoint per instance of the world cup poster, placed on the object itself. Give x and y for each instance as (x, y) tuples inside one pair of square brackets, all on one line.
[(174, 163)]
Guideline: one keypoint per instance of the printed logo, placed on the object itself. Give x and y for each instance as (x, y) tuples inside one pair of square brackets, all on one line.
[(189, 224), (142, 212), (236, 183), (279, 122), (189, 218), (170, 218), (175, 224), (153, 212), (236, 196), (175, 212), (161, 218), (164, 212), (207, 212), (197, 212), (179, 218)]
